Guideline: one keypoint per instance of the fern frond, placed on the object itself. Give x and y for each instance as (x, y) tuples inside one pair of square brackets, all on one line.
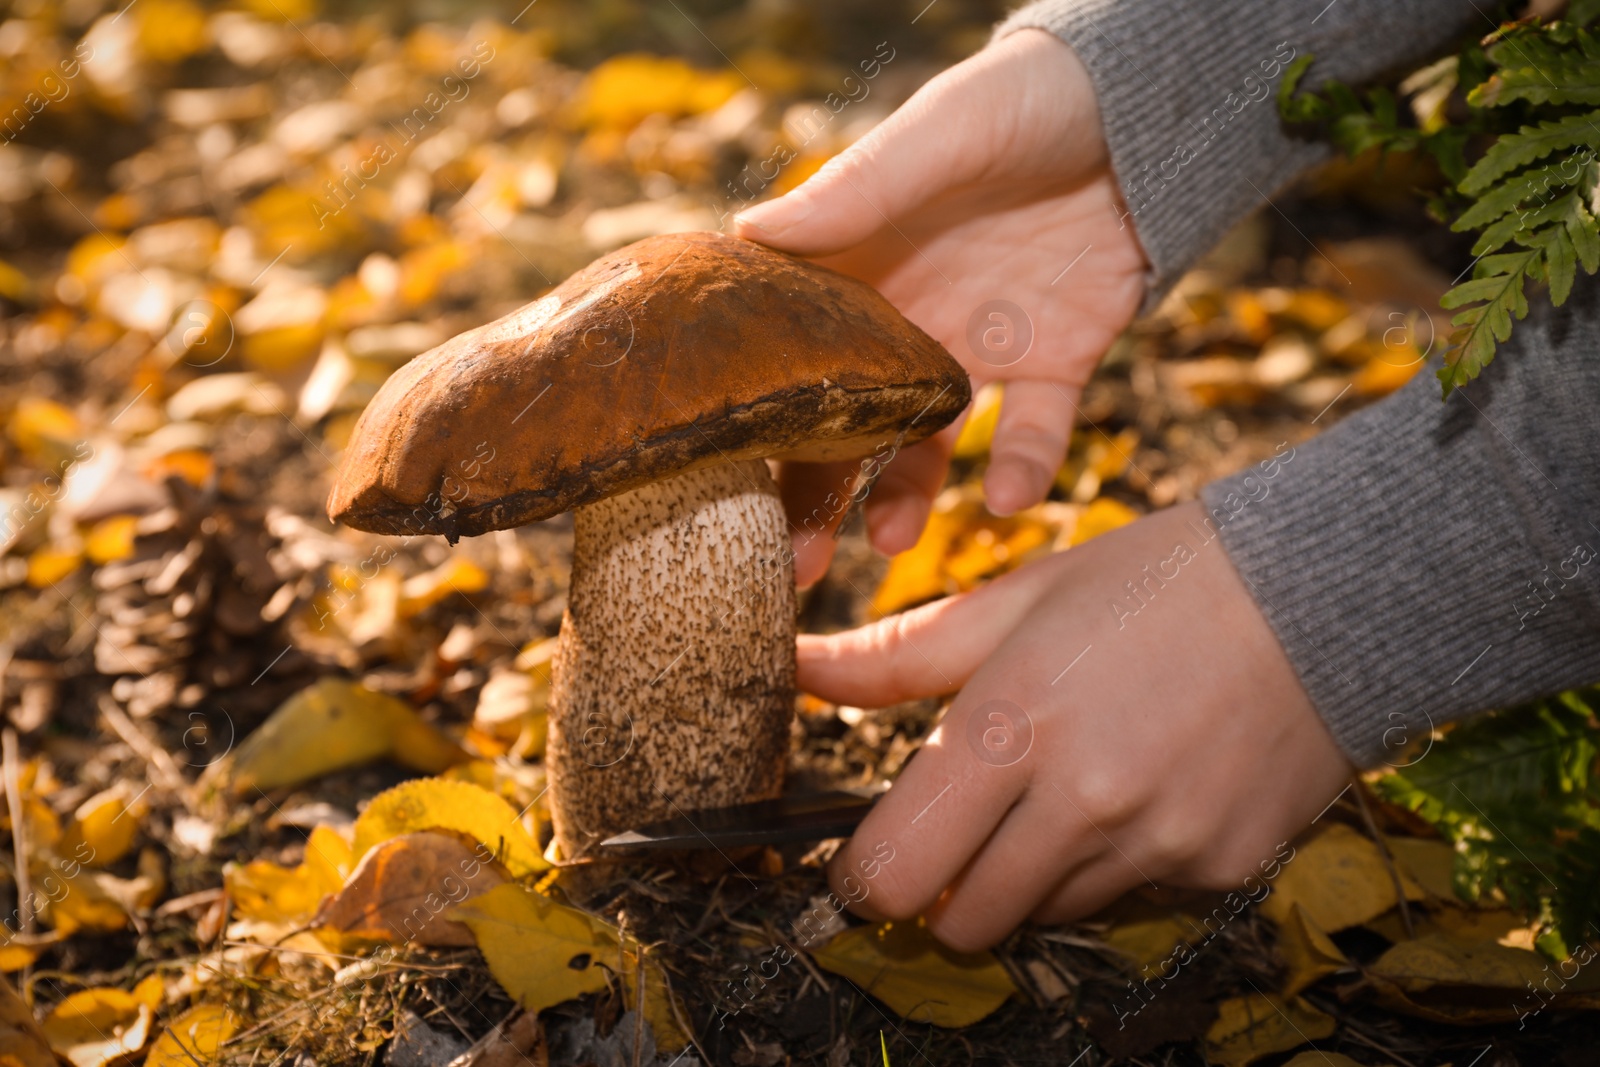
[(1529, 144), (1480, 328), (1540, 70), (1536, 183)]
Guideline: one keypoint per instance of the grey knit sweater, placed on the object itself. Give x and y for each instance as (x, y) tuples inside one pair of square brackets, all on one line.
[(1421, 560)]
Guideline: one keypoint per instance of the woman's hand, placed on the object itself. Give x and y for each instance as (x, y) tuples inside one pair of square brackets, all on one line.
[(985, 209), (1125, 716)]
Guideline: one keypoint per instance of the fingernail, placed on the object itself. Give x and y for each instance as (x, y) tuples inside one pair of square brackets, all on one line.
[(774, 216), (1014, 484)]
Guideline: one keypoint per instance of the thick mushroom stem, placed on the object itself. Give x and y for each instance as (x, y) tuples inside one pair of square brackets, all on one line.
[(674, 678)]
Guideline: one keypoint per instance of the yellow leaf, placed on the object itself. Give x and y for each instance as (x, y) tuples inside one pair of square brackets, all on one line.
[(44, 431), (1430, 863), (626, 89), (1149, 935), (20, 1035), (1253, 1026), (978, 430), (1339, 877), (1101, 516), (543, 952), (455, 575), (14, 285), (540, 951), (193, 1037), (1322, 1059), (49, 565), (14, 955), (439, 804), (1449, 978), (902, 965), (170, 30), (93, 1027), (1316, 308), (104, 827), (333, 724), (151, 990), (1308, 952), (266, 891), (1386, 373), (111, 539), (917, 574)]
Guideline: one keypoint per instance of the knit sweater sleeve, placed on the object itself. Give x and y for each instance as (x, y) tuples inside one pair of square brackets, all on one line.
[(1423, 559), (1187, 94)]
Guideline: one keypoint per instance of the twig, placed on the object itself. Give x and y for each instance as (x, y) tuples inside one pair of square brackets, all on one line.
[(19, 829), (1388, 859), (672, 1002), (159, 760), (1363, 1039)]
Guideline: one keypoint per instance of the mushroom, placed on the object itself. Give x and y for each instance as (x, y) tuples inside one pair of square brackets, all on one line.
[(645, 394)]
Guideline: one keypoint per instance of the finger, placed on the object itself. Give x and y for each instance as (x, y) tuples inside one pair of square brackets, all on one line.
[(925, 652), (1030, 443), (902, 163), (1087, 890), (1020, 865), (898, 506), (815, 497), (939, 813)]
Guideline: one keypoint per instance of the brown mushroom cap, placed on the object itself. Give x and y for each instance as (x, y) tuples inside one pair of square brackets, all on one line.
[(670, 354)]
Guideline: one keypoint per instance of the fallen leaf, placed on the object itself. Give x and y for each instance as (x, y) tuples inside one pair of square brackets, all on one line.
[(1322, 1059), (1430, 863), (978, 430), (1447, 978), (1257, 1025), (462, 807), (272, 893), (106, 825), (111, 539), (522, 1044), (1339, 877), (53, 563), (401, 887), (330, 725), (1101, 516), (193, 1037), (1307, 951), (94, 1027), (20, 1035), (46, 432), (455, 575), (905, 967), (543, 953), (1147, 939)]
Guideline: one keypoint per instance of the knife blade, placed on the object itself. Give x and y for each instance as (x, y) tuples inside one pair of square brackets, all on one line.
[(801, 817)]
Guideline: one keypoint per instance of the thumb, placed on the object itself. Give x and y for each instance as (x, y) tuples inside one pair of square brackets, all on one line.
[(928, 651), (925, 147)]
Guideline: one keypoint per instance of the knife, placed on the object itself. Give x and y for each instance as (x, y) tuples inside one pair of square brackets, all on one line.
[(802, 817)]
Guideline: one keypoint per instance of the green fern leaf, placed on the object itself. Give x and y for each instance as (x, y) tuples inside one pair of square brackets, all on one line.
[(1480, 327), (1535, 69), (1585, 234), (1535, 184), (1515, 150), (1582, 12), (1561, 265)]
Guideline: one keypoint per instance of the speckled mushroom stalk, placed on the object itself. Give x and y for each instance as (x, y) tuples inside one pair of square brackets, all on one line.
[(674, 677)]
